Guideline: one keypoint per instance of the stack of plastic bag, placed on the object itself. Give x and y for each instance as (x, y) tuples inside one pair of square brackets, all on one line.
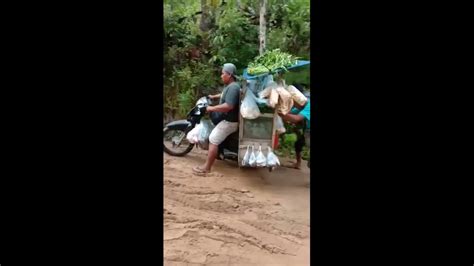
[(249, 108), (193, 135), (261, 160), (272, 159)]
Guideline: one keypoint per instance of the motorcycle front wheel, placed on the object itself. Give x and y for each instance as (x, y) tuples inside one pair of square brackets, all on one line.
[(175, 142)]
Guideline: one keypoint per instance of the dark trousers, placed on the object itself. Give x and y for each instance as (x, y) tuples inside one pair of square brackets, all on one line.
[(302, 138)]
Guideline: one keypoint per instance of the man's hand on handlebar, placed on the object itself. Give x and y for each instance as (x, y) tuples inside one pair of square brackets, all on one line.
[(209, 109), (203, 109)]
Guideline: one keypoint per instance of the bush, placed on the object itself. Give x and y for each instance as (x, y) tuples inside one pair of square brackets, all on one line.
[(287, 145)]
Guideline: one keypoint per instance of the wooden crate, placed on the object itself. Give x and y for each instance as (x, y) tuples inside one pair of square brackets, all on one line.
[(247, 136)]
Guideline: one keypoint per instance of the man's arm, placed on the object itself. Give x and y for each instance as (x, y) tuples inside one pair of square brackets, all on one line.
[(215, 96), (292, 118)]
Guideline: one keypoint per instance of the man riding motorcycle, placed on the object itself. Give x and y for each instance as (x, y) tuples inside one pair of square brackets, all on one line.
[(229, 109)]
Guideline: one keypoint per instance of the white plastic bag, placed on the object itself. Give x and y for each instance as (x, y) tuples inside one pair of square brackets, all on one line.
[(268, 89), (267, 81), (261, 160), (280, 127), (245, 160), (192, 135), (251, 85), (204, 132), (272, 159), (297, 96), (252, 159), (249, 108), (259, 100)]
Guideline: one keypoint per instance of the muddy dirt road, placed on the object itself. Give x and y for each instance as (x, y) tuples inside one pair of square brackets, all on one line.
[(234, 216)]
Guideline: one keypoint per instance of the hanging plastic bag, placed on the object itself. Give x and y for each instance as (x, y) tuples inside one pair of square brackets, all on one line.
[(252, 159), (245, 160), (297, 96), (272, 159), (252, 85), (280, 127), (259, 100), (262, 83), (268, 89), (204, 132), (249, 108), (261, 160), (193, 135)]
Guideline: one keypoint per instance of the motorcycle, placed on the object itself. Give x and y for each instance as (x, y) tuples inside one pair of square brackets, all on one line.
[(175, 142)]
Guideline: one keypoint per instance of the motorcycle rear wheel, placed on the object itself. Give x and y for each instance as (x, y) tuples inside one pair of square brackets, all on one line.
[(178, 144)]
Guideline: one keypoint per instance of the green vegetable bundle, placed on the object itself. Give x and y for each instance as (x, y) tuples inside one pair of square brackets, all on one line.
[(270, 61)]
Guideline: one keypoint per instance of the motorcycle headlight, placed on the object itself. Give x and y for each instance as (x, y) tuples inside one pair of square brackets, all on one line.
[(202, 102)]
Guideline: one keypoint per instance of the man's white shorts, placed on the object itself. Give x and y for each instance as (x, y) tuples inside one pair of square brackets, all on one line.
[(222, 130)]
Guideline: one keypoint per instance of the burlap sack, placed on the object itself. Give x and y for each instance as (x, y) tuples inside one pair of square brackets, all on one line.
[(285, 100), (274, 98)]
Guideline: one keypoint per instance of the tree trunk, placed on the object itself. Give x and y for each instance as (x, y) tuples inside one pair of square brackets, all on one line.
[(263, 26), (204, 25), (207, 19)]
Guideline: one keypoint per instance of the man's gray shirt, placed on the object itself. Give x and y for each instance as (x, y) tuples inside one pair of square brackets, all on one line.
[(231, 95)]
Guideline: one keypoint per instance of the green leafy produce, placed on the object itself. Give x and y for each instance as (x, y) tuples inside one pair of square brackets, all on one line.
[(271, 61)]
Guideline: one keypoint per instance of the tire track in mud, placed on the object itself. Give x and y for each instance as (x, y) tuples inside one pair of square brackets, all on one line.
[(238, 233), (235, 235), (205, 198), (247, 230)]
